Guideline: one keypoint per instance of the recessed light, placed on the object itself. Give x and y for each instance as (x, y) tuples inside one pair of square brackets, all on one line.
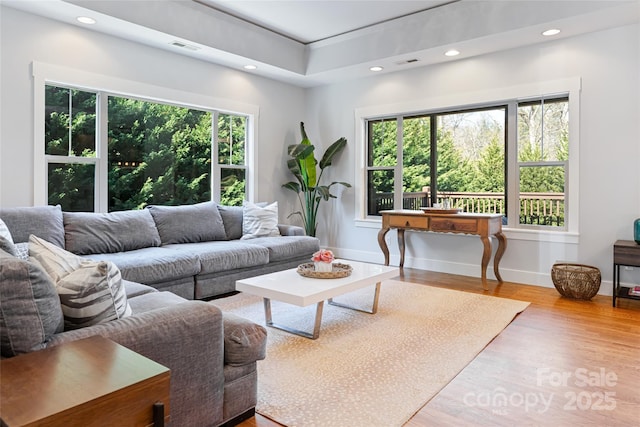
[(452, 52), (376, 68), (551, 32), (86, 20), (250, 67)]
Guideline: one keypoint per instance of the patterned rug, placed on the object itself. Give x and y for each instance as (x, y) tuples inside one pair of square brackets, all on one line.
[(370, 370)]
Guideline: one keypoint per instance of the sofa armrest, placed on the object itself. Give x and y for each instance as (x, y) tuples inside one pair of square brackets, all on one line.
[(291, 230), (188, 339), (245, 342)]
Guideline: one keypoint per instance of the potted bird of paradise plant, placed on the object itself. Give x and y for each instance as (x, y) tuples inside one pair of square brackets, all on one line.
[(303, 165)]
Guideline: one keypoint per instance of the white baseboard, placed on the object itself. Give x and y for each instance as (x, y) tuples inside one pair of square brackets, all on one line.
[(533, 278)]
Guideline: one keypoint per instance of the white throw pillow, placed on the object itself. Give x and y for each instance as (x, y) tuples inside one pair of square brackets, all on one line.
[(56, 261), (90, 292), (259, 221), (6, 241)]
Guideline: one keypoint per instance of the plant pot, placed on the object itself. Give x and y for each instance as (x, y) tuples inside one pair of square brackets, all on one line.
[(323, 267)]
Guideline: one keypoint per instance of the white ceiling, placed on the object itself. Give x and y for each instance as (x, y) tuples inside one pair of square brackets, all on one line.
[(308, 21), (310, 42)]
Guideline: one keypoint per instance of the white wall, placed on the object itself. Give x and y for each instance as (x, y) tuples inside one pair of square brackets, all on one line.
[(27, 38), (607, 63)]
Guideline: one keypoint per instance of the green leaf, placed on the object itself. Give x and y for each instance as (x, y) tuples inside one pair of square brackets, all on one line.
[(332, 151), (323, 190), (346, 184), (308, 163), (300, 151), (294, 168), (293, 186)]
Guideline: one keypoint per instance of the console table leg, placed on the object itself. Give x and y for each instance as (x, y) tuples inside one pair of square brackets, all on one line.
[(486, 254), (401, 245), (383, 244), (502, 247)]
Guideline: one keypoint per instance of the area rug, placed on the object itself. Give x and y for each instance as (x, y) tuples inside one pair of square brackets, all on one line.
[(370, 370)]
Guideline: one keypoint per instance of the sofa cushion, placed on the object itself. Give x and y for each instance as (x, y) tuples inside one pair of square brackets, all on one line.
[(154, 301), (96, 233), (90, 292), (223, 256), (152, 265), (244, 341), (134, 289), (188, 223), (30, 312), (283, 248), (43, 221), (259, 221)]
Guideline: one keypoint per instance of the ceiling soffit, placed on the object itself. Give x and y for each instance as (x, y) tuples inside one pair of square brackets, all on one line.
[(477, 27)]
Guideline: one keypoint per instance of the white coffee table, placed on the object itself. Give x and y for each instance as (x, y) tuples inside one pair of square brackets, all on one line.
[(290, 287)]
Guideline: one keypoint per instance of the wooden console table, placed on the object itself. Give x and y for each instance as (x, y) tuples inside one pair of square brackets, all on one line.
[(89, 382), (483, 225)]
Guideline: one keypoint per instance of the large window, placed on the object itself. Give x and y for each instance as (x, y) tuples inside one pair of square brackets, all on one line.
[(543, 154), (152, 153), (460, 158)]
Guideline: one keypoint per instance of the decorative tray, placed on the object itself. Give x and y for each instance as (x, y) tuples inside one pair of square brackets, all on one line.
[(441, 210), (339, 270)]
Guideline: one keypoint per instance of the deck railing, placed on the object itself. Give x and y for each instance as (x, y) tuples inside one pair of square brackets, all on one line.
[(535, 208)]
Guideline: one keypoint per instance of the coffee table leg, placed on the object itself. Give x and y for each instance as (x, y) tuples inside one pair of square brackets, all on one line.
[(374, 308), (316, 327)]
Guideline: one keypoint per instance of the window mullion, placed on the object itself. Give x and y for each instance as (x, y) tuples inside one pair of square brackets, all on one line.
[(215, 166), (398, 181), (101, 198), (433, 167), (513, 171)]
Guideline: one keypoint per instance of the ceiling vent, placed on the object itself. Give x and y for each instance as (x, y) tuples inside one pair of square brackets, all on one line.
[(407, 61), (184, 45)]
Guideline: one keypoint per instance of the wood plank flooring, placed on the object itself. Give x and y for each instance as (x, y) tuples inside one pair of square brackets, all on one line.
[(559, 363)]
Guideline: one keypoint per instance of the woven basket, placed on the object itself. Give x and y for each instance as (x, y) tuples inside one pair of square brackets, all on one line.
[(577, 281), (339, 270)]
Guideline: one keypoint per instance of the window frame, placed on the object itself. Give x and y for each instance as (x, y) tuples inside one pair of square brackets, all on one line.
[(47, 74), (509, 96)]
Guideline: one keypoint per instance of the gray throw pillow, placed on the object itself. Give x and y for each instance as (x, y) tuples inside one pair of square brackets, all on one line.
[(8, 246), (43, 221), (30, 312), (98, 233), (232, 219), (188, 223)]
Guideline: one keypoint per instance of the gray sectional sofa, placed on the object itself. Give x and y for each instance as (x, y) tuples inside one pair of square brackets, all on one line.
[(212, 355), (195, 251), (192, 251)]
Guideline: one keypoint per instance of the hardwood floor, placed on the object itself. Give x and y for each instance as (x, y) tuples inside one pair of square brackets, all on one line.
[(559, 363)]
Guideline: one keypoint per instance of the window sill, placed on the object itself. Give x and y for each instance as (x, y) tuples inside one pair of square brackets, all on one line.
[(511, 233)]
